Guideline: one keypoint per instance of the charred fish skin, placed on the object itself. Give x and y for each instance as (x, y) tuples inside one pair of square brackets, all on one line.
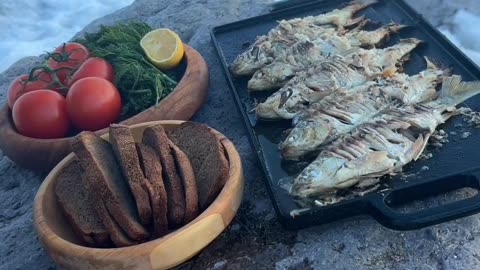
[(317, 82), (337, 115), (333, 119), (262, 52), (308, 87), (382, 146), (305, 53)]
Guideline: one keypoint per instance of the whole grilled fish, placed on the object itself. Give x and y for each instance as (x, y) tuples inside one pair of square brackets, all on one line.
[(343, 111), (326, 77), (306, 53), (269, 46), (382, 146)]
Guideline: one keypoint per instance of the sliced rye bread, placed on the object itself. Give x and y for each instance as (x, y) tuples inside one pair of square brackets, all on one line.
[(78, 208), (125, 151), (102, 178), (117, 235), (185, 171), (156, 138), (152, 168), (208, 159)]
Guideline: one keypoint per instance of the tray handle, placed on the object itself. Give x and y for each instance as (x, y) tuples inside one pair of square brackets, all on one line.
[(397, 220)]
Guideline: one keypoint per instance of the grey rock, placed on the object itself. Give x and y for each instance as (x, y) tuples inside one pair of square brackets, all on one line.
[(255, 239)]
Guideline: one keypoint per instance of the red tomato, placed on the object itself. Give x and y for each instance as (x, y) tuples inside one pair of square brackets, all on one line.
[(68, 56), (41, 114), (22, 85), (93, 103), (93, 67)]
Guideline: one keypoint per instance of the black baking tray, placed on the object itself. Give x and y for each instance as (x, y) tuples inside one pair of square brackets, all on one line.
[(454, 166)]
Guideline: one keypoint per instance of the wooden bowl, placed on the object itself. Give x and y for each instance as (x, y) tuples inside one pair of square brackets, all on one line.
[(43, 154), (162, 253)]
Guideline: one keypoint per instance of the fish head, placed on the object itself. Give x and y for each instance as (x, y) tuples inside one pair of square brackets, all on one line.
[(305, 138), (267, 110), (257, 56), (272, 76), (317, 178), (275, 106)]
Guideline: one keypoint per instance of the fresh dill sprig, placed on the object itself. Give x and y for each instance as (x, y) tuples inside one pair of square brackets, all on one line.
[(141, 84)]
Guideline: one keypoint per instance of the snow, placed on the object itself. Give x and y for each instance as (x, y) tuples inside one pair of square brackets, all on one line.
[(464, 31), (31, 27)]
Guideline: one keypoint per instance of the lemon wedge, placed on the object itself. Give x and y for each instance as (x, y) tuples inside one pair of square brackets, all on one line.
[(163, 48)]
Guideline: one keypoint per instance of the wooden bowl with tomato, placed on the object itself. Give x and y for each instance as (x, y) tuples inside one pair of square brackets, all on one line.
[(42, 154)]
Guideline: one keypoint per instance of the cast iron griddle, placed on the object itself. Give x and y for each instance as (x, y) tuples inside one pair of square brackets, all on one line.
[(454, 166)]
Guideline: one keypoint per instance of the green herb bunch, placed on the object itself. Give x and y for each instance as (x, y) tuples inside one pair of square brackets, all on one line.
[(141, 84)]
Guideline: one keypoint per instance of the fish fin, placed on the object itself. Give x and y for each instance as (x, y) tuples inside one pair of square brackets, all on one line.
[(361, 23), (430, 64), (359, 20), (454, 91), (417, 148), (388, 72)]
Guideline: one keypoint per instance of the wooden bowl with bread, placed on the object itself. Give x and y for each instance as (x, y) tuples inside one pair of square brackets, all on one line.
[(181, 104), (146, 196)]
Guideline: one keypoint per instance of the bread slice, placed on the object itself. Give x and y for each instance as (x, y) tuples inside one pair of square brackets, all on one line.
[(125, 151), (152, 168), (78, 208), (185, 171), (117, 235), (156, 138), (103, 179), (208, 159)]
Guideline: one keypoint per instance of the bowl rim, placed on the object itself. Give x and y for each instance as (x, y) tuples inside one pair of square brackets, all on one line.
[(48, 237)]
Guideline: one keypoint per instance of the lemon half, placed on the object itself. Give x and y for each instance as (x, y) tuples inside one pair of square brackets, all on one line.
[(163, 48)]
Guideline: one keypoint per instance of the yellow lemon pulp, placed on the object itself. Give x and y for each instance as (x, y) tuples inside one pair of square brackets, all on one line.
[(163, 48)]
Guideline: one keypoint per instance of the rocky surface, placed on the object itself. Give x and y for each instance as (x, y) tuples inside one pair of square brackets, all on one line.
[(255, 240)]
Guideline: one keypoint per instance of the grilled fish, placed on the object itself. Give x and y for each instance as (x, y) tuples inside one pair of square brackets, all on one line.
[(326, 77), (341, 112), (269, 46), (306, 53), (382, 146)]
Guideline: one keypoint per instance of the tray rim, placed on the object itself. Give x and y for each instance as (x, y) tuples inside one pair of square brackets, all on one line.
[(365, 202)]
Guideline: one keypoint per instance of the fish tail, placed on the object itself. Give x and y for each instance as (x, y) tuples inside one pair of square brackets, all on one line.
[(358, 5), (432, 67), (454, 91)]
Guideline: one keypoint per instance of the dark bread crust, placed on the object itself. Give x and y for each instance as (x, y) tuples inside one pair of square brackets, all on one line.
[(185, 170), (78, 208), (125, 151), (152, 168), (103, 180), (156, 138), (208, 158)]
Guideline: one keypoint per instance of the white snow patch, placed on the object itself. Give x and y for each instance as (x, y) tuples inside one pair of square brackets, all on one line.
[(464, 31), (31, 27)]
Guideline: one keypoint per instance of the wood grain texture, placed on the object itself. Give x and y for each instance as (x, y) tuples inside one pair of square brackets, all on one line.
[(62, 245), (43, 154)]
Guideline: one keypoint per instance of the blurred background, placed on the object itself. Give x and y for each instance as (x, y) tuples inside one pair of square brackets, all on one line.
[(31, 27)]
